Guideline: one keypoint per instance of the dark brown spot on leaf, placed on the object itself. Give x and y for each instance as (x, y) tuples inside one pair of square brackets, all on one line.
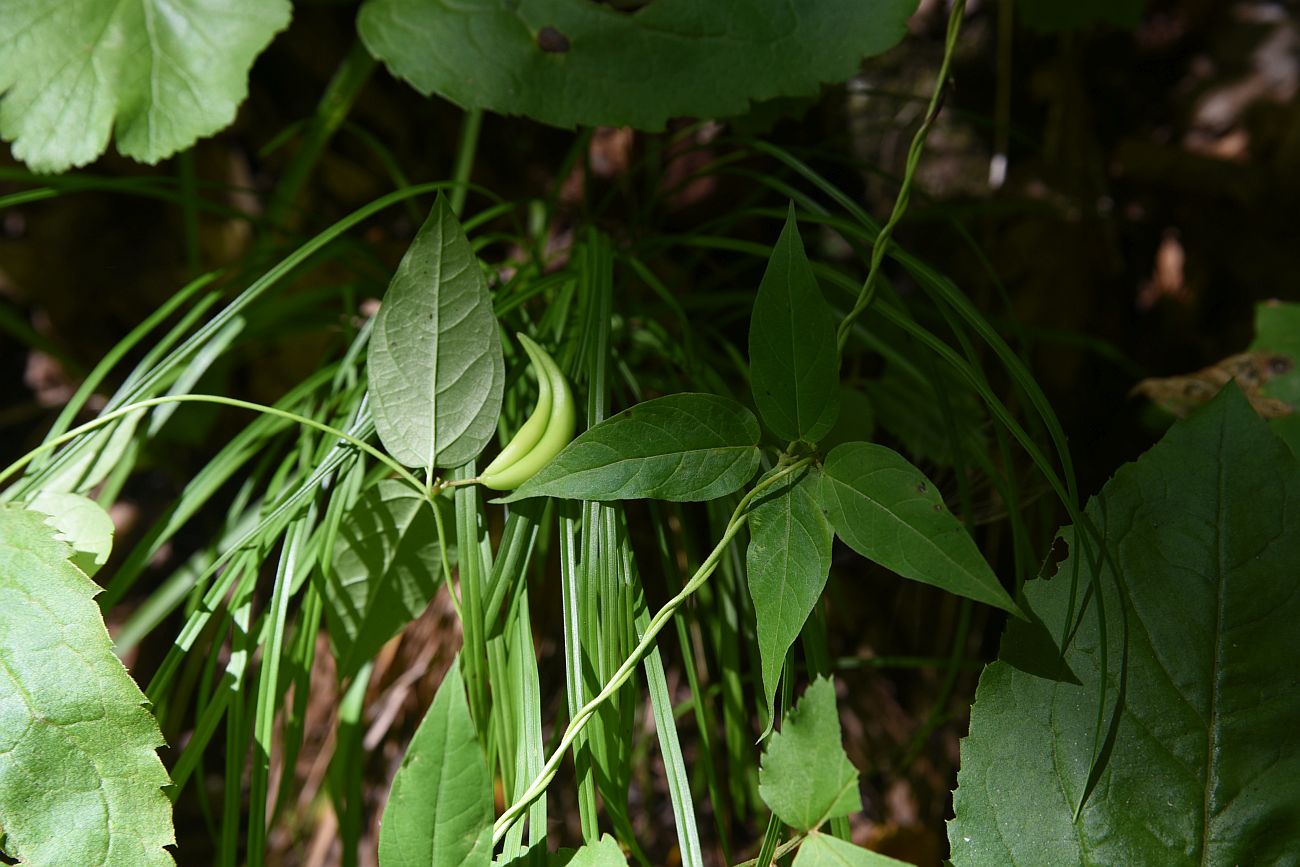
[(552, 41)]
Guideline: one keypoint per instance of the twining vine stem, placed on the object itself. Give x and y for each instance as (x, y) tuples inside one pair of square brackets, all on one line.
[(657, 623), (881, 245)]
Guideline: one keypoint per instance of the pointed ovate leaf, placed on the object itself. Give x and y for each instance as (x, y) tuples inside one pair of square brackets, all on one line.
[(387, 566), (888, 511), (435, 364), (161, 73), (1200, 761), (788, 559), (603, 853), (573, 62), (80, 779), (805, 776), (1277, 329), (683, 447), (793, 359), (82, 523), (823, 850), (439, 811)]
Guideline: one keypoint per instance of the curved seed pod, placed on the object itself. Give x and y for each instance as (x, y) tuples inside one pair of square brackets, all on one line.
[(530, 432), (558, 433)]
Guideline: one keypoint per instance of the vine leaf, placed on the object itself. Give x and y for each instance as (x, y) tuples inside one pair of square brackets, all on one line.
[(80, 778), (387, 566), (82, 523), (439, 812), (1200, 760), (805, 776), (788, 561), (435, 364), (162, 73), (793, 358), (603, 853), (573, 62), (823, 850), (888, 511), (683, 447)]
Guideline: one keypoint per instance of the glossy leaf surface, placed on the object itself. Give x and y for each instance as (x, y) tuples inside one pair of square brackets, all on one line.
[(823, 850), (683, 447), (1201, 763), (888, 511), (435, 364), (80, 778)]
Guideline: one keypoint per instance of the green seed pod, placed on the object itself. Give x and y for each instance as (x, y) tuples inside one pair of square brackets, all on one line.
[(555, 407)]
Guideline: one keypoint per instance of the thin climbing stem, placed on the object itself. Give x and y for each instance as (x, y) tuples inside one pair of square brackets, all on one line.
[(881, 246)]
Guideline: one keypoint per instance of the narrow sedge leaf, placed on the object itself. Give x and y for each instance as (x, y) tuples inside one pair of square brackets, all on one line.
[(82, 523), (603, 853), (159, 73), (805, 777), (80, 778), (793, 358), (1201, 763), (435, 365), (439, 811), (387, 566), (788, 560), (823, 850), (683, 447), (888, 511)]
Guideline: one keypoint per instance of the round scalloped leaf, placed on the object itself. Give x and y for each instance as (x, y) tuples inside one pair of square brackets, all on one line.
[(571, 62)]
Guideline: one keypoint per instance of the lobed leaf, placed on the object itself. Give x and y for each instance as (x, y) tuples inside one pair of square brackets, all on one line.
[(435, 363), (823, 850), (1199, 758), (80, 781), (805, 776), (82, 523), (683, 447), (888, 511), (162, 73)]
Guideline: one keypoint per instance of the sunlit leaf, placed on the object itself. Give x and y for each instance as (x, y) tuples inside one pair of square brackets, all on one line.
[(805, 776), (823, 850), (682, 447), (569, 62), (435, 364), (1198, 760), (888, 511), (439, 811), (159, 73), (603, 853), (80, 522), (80, 779)]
